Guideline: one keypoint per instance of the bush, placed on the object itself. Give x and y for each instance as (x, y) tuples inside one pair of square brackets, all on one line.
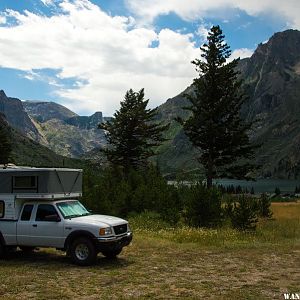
[(264, 206), (114, 193), (242, 212), (202, 206)]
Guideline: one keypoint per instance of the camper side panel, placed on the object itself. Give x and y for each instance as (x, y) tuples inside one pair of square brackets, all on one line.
[(5, 183), (8, 220), (9, 232), (65, 182), (7, 204)]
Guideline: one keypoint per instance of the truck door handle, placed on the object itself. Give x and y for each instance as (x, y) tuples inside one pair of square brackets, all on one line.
[(34, 225)]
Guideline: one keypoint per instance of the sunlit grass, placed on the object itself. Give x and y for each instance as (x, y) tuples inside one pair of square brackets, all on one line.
[(282, 230)]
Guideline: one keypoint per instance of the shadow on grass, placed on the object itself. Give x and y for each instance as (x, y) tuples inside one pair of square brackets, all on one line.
[(58, 260)]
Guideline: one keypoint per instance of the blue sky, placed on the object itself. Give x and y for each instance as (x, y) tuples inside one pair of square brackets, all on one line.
[(86, 54)]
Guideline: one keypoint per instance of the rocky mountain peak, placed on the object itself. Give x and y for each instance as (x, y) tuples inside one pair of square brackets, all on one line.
[(2, 94), (15, 115), (44, 111), (86, 122)]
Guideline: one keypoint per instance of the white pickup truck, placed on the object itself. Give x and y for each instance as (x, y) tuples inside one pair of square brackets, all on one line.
[(38, 212)]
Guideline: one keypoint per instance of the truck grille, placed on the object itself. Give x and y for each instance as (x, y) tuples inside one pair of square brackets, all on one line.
[(120, 229)]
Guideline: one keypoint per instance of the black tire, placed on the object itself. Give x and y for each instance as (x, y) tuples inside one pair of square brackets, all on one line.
[(111, 253), (2, 251), (82, 252), (27, 249)]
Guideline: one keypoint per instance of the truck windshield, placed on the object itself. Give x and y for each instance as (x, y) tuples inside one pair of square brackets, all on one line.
[(72, 209)]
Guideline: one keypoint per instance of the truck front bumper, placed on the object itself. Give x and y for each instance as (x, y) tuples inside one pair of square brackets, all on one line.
[(113, 242)]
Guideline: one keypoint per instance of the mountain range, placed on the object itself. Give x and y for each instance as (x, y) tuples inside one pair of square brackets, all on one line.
[(54, 126), (271, 82)]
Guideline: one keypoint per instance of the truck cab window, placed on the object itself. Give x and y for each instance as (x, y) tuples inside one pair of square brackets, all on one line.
[(47, 213), (26, 214), (1, 209)]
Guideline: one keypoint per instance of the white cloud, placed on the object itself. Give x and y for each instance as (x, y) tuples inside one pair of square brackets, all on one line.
[(203, 30), (47, 2), (241, 53), (106, 55), (2, 20), (197, 9)]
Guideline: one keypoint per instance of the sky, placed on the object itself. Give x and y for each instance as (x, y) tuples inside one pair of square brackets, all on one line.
[(85, 54)]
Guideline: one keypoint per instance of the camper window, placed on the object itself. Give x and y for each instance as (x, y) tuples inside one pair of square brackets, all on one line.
[(2, 209), (25, 182)]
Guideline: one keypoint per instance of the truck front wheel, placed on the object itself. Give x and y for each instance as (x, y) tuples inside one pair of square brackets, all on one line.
[(83, 252), (112, 253)]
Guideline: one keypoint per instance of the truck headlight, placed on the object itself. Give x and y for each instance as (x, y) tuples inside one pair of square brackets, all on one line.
[(105, 231)]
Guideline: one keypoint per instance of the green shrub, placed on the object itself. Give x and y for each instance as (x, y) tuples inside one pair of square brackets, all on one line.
[(202, 206), (242, 212)]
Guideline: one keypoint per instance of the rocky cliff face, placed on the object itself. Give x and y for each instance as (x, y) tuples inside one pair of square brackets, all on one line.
[(86, 122), (14, 113), (272, 83)]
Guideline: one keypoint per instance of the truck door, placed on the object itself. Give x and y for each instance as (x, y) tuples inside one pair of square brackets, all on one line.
[(47, 227), (24, 226)]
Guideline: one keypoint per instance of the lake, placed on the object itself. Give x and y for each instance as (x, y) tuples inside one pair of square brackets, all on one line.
[(262, 185)]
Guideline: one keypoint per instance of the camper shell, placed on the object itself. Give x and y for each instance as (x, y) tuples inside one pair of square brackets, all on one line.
[(18, 184)]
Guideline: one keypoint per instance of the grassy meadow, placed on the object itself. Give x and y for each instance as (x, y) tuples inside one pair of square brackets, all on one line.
[(171, 263)]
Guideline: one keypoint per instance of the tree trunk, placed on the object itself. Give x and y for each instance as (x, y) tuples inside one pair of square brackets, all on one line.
[(209, 174), (209, 181)]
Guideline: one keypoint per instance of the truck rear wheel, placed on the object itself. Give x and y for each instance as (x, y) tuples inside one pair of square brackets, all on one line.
[(83, 252), (2, 250), (112, 253), (27, 249)]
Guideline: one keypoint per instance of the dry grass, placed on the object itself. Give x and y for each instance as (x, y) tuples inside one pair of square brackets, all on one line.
[(160, 267), (286, 210)]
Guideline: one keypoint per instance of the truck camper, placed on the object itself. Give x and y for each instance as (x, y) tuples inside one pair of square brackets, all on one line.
[(39, 207)]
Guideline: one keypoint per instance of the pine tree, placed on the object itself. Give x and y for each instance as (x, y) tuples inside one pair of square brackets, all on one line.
[(215, 127), (264, 206), (132, 135), (277, 191), (5, 143), (242, 212)]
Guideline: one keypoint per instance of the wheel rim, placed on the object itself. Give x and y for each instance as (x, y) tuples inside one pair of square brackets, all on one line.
[(82, 252)]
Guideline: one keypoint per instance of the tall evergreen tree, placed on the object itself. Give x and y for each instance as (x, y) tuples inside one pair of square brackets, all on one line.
[(5, 143), (215, 127), (132, 135)]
